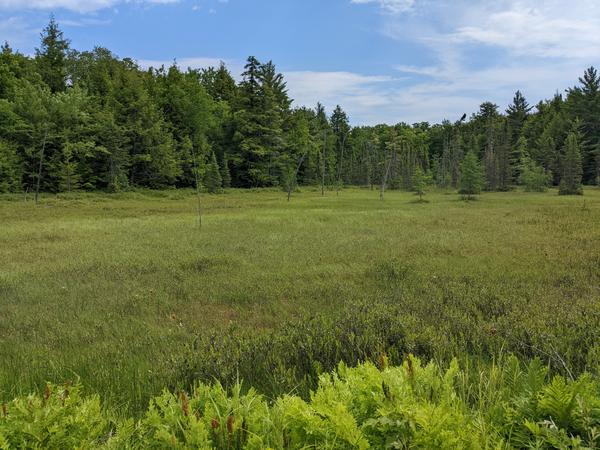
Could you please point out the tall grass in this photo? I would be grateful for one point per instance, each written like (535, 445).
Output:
(124, 293)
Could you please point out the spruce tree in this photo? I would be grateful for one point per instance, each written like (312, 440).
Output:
(471, 176)
(52, 57)
(571, 167)
(212, 176)
(517, 114)
(584, 105)
(225, 174)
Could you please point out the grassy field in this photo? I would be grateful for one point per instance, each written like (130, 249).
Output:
(114, 289)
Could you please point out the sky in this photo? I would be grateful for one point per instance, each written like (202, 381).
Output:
(383, 61)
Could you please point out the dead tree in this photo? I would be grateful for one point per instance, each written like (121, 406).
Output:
(292, 178)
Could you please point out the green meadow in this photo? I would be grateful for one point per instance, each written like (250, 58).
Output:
(127, 294)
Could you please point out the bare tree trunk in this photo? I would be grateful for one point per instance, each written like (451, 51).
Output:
(39, 177)
(292, 182)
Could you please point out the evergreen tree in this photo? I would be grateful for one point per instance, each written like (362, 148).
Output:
(52, 57)
(225, 174)
(517, 114)
(89, 120)
(186, 107)
(69, 176)
(273, 83)
(520, 150)
(420, 181)
(261, 109)
(491, 167)
(453, 157)
(471, 176)
(219, 83)
(584, 105)
(570, 182)
(532, 176)
(10, 169)
(341, 129)
(547, 147)
(212, 176)
(505, 156)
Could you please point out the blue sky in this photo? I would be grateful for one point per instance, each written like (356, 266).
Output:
(382, 60)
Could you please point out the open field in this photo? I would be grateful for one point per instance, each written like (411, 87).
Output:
(118, 290)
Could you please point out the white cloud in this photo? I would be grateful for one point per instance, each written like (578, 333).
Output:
(486, 50)
(390, 6)
(15, 31)
(81, 6)
(361, 96)
(544, 29)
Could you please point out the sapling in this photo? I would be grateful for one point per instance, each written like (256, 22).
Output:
(420, 181)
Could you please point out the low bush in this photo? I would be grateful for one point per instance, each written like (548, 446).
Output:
(291, 357)
(508, 405)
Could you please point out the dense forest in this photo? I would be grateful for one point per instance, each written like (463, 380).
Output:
(90, 120)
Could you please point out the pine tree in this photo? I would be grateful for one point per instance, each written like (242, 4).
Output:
(471, 176)
(225, 174)
(262, 106)
(52, 57)
(570, 182)
(212, 176)
(584, 104)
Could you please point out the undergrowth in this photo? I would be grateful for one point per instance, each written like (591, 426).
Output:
(415, 405)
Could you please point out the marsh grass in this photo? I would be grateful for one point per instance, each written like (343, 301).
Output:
(123, 291)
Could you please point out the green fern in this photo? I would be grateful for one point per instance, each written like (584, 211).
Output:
(504, 406)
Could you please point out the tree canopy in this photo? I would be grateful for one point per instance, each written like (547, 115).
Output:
(90, 120)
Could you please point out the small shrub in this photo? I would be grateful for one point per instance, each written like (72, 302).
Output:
(413, 405)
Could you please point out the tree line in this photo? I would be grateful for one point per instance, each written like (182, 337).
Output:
(89, 120)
